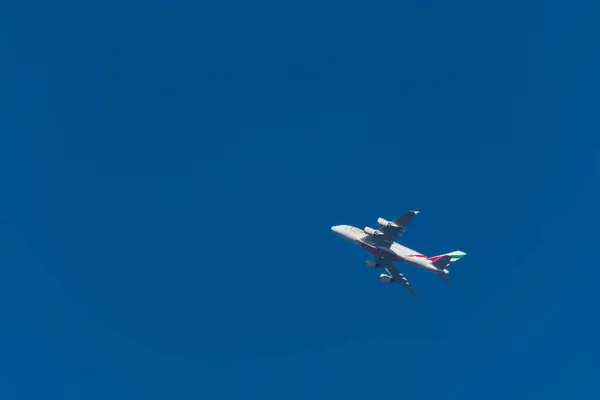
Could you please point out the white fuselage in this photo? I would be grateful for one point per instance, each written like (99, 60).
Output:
(396, 252)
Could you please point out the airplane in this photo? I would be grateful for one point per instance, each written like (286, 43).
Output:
(380, 243)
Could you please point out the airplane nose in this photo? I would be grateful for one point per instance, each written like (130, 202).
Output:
(336, 228)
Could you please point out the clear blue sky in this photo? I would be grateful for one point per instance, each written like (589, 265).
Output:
(170, 172)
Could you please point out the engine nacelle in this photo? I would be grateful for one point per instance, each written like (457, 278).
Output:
(371, 231)
(371, 264)
(385, 222)
(386, 278)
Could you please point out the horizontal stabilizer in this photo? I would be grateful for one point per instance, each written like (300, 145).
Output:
(442, 262)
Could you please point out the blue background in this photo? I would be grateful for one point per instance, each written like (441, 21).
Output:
(170, 172)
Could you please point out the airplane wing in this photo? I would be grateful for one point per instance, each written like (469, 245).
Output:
(397, 275)
(394, 229)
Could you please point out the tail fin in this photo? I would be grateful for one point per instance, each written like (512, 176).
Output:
(454, 256)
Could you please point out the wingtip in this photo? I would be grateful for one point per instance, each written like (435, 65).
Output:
(415, 211)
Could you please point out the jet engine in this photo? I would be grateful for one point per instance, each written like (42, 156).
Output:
(385, 222)
(371, 264)
(386, 278)
(371, 231)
